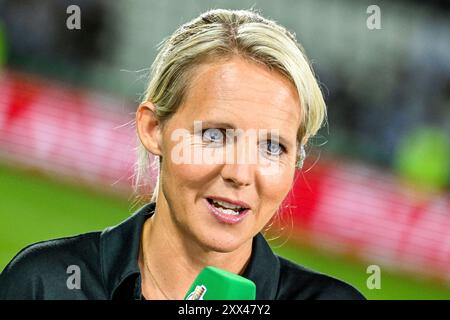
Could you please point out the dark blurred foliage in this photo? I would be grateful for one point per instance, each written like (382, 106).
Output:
(37, 35)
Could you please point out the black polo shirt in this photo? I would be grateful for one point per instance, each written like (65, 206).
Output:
(106, 266)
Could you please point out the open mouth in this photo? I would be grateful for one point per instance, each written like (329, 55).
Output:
(226, 207)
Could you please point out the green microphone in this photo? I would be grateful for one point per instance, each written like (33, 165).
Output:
(216, 284)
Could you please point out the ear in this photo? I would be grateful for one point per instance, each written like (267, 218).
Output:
(149, 128)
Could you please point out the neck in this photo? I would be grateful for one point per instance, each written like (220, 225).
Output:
(173, 260)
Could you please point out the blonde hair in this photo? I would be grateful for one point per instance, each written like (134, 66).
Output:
(219, 34)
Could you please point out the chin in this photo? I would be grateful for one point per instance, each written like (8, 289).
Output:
(221, 241)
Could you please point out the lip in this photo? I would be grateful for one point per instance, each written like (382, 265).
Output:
(225, 218)
(235, 202)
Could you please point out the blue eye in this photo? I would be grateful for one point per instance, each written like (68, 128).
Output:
(273, 148)
(213, 135)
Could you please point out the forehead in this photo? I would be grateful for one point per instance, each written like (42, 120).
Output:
(243, 92)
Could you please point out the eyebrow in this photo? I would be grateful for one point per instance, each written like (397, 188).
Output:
(217, 124)
(226, 125)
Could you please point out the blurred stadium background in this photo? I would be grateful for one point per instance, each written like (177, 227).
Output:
(375, 190)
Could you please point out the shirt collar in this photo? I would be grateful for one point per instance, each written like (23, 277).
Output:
(119, 252)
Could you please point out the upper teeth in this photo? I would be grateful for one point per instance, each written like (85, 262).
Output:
(227, 205)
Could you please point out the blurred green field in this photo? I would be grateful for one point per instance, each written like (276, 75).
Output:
(34, 208)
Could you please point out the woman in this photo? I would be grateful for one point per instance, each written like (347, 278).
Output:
(231, 103)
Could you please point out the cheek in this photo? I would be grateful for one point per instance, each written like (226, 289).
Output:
(185, 166)
(190, 177)
(274, 188)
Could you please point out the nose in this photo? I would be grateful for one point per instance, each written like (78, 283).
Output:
(239, 175)
(239, 167)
